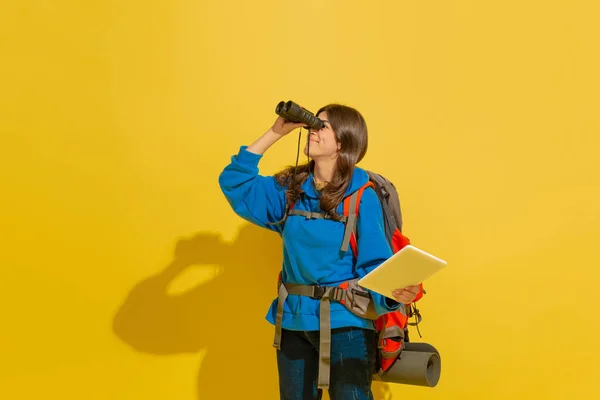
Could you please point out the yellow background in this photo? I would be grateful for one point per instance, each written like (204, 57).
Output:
(125, 275)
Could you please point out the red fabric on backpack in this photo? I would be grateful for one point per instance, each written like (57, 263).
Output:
(398, 239)
(395, 318)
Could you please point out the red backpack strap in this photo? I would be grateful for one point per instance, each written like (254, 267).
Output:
(351, 206)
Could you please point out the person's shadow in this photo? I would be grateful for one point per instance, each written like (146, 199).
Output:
(224, 316)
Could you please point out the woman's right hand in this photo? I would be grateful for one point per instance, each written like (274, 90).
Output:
(282, 126)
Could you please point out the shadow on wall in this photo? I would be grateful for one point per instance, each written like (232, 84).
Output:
(225, 316)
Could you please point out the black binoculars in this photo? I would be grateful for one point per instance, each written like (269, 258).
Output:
(294, 113)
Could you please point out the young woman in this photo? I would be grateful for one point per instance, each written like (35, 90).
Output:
(311, 253)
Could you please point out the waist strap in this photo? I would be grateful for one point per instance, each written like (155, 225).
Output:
(325, 294)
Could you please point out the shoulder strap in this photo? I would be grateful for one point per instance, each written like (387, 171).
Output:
(390, 201)
(288, 206)
(351, 206)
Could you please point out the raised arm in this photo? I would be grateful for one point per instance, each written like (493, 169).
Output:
(256, 198)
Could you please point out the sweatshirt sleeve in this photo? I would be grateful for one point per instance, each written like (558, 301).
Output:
(373, 248)
(256, 198)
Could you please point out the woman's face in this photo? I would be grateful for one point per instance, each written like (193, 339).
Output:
(321, 143)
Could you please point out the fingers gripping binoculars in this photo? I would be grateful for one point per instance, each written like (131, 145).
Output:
(295, 113)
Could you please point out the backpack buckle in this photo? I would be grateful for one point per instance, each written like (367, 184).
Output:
(337, 293)
(318, 292)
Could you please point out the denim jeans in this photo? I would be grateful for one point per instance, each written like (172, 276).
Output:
(353, 352)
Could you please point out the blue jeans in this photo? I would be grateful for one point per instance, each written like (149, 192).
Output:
(353, 352)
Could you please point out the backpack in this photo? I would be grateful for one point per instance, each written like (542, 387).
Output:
(392, 327)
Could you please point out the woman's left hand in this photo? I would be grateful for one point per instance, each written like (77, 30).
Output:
(406, 295)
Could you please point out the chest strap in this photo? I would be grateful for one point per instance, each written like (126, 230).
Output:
(350, 209)
(310, 214)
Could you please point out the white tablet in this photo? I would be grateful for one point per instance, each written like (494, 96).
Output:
(409, 266)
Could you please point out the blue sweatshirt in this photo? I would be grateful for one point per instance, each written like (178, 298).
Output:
(311, 247)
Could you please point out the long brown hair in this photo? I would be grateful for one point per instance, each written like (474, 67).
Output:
(351, 133)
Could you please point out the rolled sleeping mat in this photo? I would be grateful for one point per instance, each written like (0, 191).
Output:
(418, 364)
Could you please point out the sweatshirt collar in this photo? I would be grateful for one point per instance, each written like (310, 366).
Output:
(359, 178)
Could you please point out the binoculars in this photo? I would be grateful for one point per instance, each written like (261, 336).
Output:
(294, 113)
